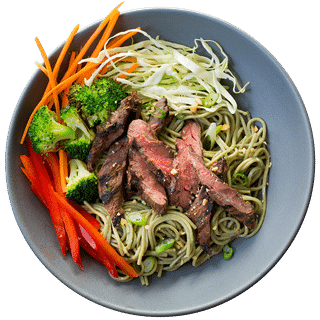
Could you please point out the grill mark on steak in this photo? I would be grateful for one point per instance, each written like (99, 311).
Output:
(156, 124)
(185, 184)
(145, 183)
(111, 177)
(219, 168)
(221, 192)
(200, 213)
(111, 130)
(157, 155)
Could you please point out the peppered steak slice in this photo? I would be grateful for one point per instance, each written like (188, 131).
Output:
(221, 192)
(145, 183)
(111, 178)
(200, 213)
(160, 117)
(185, 184)
(156, 155)
(111, 130)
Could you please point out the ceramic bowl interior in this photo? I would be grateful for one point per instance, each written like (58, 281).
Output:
(271, 96)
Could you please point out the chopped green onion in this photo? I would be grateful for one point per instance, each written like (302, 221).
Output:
(146, 105)
(149, 264)
(180, 116)
(210, 99)
(164, 245)
(235, 179)
(218, 129)
(136, 218)
(227, 252)
(161, 116)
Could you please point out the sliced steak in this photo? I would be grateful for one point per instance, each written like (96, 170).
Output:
(219, 168)
(108, 132)
(156, 154)
(111, 177)
(185, 185)
(191, 134)
(200, 213)
(220, 191)
(145, 183)
(160, 117)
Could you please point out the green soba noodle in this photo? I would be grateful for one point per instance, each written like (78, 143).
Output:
(243, 146)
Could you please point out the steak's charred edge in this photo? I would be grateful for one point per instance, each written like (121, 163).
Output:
(222, 193)
(200, 213)
(156, 124)
(111, 179)
(219, 168)
(145, 183)
(108, 132)
(158, 173)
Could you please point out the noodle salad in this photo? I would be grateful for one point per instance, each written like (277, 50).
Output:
(197, 89)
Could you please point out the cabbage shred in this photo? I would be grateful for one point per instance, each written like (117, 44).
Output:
(170, 70)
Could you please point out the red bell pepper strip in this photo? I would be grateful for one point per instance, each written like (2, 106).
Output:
(86, 215)
(52, 205)
(101, 242)
(87, 237)
(53, 161)
(97, 255)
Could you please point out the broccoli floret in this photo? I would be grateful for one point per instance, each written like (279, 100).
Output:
(98, 101)
(79, 147)
(46, 133)
(82, 185)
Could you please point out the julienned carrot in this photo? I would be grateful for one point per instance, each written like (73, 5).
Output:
(90, 41)
(59, 88)
(62, 54)
(101, 242)
(52, 80)
(101, 43)
(117, 42)
(106, 34)
(64, 98)
(64, 50)
(131, 69)
(63, 165)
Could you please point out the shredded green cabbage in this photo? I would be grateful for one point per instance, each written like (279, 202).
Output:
(170, 70)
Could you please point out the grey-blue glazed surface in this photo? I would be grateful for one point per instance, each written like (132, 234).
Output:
(272, 96)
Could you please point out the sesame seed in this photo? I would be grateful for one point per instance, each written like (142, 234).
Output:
(174, 171)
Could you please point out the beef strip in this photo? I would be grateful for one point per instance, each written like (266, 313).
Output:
(110, 179)
(157, 156)
(220, 191)
(200, 213)
(219, 168)
(145, 183)
(111, 130)
(157, 123)
(185, 185)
